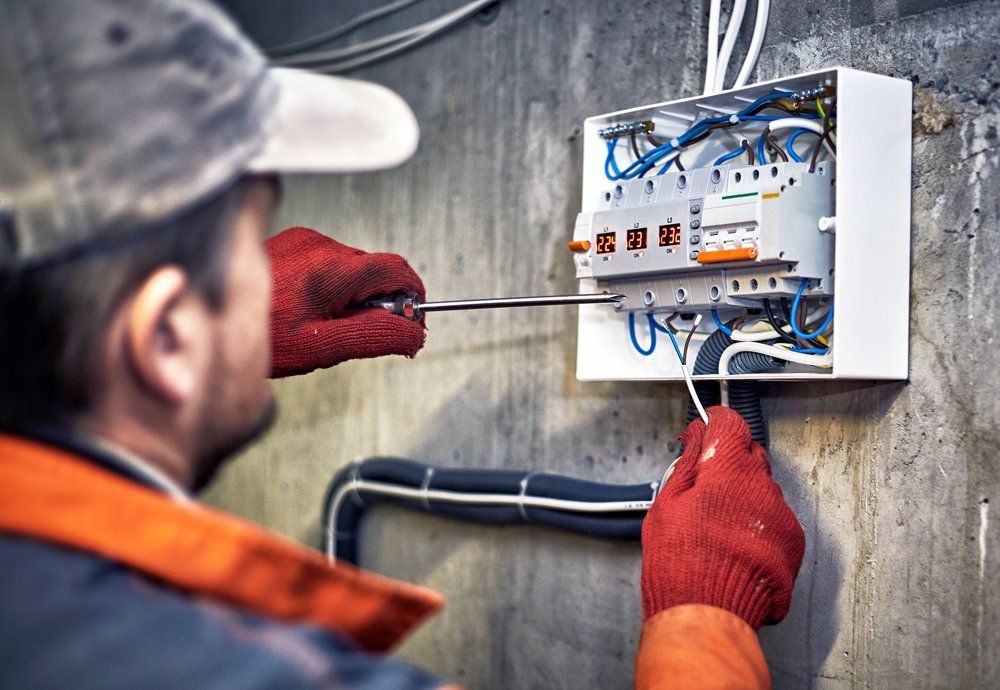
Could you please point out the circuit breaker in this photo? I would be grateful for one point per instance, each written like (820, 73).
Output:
(794, 191)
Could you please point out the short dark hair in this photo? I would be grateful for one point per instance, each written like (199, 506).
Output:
(53, 317)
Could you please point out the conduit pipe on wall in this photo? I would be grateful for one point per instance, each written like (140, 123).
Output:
(511, 497)
(492, 497)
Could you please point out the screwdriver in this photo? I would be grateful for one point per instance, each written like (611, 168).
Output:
(408, 304)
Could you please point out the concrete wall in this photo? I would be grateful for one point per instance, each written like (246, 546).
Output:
(897, 485)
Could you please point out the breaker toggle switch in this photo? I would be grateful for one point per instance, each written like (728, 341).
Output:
(723, 255)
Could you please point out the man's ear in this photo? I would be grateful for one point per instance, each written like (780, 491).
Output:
(164, 327)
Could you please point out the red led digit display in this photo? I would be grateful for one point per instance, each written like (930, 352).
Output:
(670, 235)
(605, 242)
(635, 239)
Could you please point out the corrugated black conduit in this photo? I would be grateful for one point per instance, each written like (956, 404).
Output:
(465, 494)
(743, 395)
(370, 482)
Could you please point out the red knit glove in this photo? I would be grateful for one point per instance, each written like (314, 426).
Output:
(318, 285)
(720, 533)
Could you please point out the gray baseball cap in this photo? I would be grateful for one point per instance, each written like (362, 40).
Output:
(117, 115)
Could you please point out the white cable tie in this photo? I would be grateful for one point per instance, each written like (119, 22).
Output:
(675, 143)
(522, 494)
(425, 487)
(734, 119)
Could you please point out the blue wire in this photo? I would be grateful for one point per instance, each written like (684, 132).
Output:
(811, 350)
(656, 326)
(638, 167)
(767, 99)
(635, 341)
(645, 162)
(677, 348)
(761, 160)
(666, 167)
(718, 323)
(791, 140)
(795, 307)
(728, 157)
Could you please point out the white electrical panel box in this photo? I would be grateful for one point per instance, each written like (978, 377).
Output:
(750, 216)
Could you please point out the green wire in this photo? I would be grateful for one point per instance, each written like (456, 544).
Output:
(819, 107)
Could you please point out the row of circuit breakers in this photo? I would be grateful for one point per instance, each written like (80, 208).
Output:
(710, 238)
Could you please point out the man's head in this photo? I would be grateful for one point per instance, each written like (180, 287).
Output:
(163, 334)
(138, 144)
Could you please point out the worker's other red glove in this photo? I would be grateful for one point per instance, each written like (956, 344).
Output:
(720, 532)
(318, 287)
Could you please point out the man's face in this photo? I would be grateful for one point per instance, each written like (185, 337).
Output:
(238, 404)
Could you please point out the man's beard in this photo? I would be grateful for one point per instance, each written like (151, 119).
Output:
(224, 435)
(209, 462)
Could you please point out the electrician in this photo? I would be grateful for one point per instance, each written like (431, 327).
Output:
(138, 147)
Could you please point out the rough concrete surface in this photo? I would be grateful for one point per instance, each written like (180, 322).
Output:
(897, 485)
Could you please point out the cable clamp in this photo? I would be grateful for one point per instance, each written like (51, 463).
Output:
(522, 495)
(425, 487)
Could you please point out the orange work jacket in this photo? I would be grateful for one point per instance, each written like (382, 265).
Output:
(52, 495)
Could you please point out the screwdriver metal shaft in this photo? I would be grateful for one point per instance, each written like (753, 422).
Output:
(409, 305)
(507, 302)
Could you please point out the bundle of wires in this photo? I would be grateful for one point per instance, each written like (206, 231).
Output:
(335, 60)
(667, 152)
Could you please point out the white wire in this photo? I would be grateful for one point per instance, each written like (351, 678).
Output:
(426, 494)
(694, 393)
(687, 376)
(726, 52)
(342, 30)
(756, 41)
(712, 51)
(803, 123)
(823, 361)
(352, 57)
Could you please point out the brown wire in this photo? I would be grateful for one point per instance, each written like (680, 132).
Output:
(687, 341)
(745, 145)
(635, 146)
(819, 144)
(653, 140)
(772, 143)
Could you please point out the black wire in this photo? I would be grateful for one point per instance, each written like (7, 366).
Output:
(745, 145)
(774, 323)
